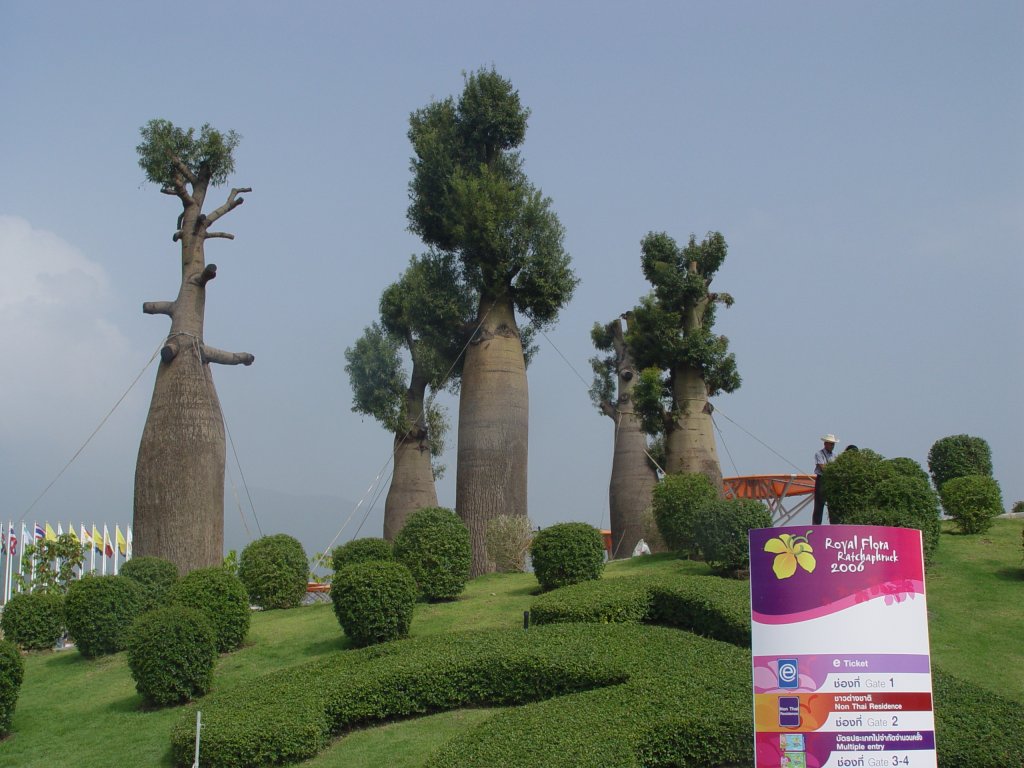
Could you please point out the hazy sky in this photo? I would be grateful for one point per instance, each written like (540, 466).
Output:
(865, 162)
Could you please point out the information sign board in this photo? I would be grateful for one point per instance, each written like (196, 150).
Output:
(842, 677)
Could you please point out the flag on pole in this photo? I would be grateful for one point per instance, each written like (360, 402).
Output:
(122, 543)
(50, 534)
(86, 537)
(97, 542)
(39, 532)
(108, 549)
(128, 546)
(3, 546)
(12, 545)
(72, 534)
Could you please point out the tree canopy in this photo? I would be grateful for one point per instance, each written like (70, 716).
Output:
(172, 156)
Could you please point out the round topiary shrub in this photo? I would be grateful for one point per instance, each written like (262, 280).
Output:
(434, 546)
(908, 467)
(275, 571)
(849, 481)
(12, 672)
(904, 501)
(361, 551)
(567, 553)
(678, 501)
(374, 601)
(958, 456)
(33, 620)
(221, 596)
(722, 533)
(973, 501)
(154, 575)
(99, 610)
(171, 652)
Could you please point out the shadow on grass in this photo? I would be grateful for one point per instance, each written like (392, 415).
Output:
(1010, 574)
(328, 645)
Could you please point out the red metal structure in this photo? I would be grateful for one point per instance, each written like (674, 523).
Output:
(785, 495)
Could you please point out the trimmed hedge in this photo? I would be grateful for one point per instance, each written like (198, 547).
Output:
(12, 672)
(99, 611)
(221, 596)
(722, 532)
(434, 545)
(974, 726)
(154, 575)
(361, 551)
(958, 456)
(275, 571)
(374, 601)
(974, 501)
(171, 652)
(607, 601)
(677, 501)
(567, 553)
(33, 620)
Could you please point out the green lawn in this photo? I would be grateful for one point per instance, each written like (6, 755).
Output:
(74, 712)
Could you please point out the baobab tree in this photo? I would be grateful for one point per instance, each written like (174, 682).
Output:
(683, 363)
(179, 474)
(470, 197)
(634, 475)
(426, 313)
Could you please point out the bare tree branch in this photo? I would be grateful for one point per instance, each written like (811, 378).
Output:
(208, 273)
(214, 355)
(169, 350)
(225, 235)
(184, 170)
(158, 308)
(232, 202)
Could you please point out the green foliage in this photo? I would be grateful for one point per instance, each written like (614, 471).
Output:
(434, 546)
(154, 575)
(600, 601)
(361, 551)
(958, 456)
(721, 532)
(275, 571)
(567, 553)
(221, 596)
(679, 501)
(374, 601)
(907, 466)
(33, 620)
(12, 672)
(508, 539)
(55, 562)
(171, 652)
(971, 725)
(1018, 508)
(849, 481)
(470, 197)
(99, 610)
(973, 501)
(171, 156)
(904, 501)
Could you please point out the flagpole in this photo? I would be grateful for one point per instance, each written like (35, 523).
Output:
(7, 566)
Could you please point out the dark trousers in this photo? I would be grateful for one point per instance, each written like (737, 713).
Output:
(819, 501)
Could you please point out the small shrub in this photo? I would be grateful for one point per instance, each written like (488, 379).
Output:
(908, 467)
(677, 501)
(361, 551)
(33, 620)
(958, 456)
(275, 571)
(221, 596)
(99, 610)
(171, 652)
(55, 561)
(849, 481)
(1018, 508)
(434, 546)
(973, 501)
(567, 553)
(605, 601)
(904, 501)
(154, 575)
(12, 672)
(374, 601)
(722, 532)
(508, 539)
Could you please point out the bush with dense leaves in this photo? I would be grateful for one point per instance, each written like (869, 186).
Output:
(973, 501)
(678, 501)
(99, 610)
(171, 652)
(154, 575)
(374, 601)
(907, 466)
(221, 596)
(275, 571)
(434, 546)
(906, 501)
(958, 456)
(364, 550)
(12, 672)
(973, 725)
(567, 553)
(33, 620)
(722, 532)
(849, 480)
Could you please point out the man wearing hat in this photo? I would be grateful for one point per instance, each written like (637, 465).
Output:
(821, 458)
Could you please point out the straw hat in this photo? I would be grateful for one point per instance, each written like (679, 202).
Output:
(829, 438)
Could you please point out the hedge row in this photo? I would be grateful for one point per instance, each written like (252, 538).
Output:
(290, 715)
(706, 605)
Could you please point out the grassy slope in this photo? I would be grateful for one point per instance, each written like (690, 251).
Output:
(73, 711)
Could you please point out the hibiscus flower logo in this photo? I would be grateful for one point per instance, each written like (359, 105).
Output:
(790, 551)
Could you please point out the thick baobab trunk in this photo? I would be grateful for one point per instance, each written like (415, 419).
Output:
(412, 484)
(690, 443)
(493, 427)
